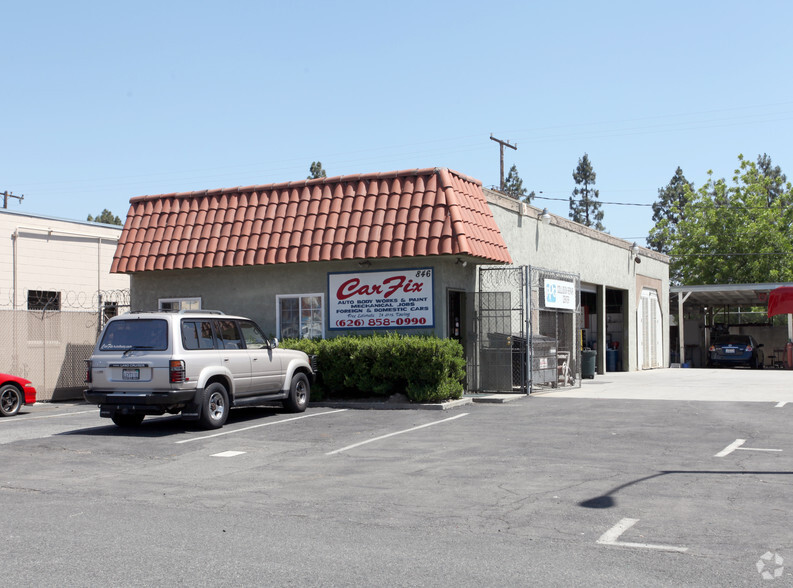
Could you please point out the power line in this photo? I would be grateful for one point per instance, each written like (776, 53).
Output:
(602, 202)
(713, 204)
(730, 254)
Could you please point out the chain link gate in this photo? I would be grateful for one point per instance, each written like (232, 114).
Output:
(518, 344)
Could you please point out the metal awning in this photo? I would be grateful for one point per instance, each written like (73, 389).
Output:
(713, 295)
(726, 294)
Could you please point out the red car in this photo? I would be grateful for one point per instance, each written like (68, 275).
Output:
(14, 392)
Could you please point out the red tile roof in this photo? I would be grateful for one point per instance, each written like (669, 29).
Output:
(432, 211)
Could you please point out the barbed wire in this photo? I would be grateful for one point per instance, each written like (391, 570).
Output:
(45, 299)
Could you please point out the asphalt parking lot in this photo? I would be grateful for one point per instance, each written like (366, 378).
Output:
(666, 478)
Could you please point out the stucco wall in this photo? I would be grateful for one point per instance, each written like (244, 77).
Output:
(71, 257)
(599, 259)
(251, 291)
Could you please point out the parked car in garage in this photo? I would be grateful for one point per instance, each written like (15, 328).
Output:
(14, 392)
(732, 350)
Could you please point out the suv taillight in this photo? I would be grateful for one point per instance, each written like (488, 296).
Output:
(88, 373)
(176, 371)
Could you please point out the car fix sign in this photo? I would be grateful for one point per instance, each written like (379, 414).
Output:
(381, 299)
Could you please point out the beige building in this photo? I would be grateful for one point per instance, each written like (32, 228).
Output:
(55, 286)
(425, 251)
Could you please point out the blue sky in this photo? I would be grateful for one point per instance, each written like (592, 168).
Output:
(105, 101)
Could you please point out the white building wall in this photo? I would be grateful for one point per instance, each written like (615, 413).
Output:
(71, 257)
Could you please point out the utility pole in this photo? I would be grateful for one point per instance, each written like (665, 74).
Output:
(7, 195)
(501, 148)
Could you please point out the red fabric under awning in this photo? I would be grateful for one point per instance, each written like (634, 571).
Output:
(780, 301)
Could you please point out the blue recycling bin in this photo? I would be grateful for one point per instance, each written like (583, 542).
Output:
(611, 360)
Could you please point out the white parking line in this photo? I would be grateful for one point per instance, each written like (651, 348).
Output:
(228, 454)
(736, 446)
(730, 448)
(231, 432)
(396, 433)
(780, 404)
(610, 538)
(48, 416)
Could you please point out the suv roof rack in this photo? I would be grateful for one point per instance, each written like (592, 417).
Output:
(175, 311)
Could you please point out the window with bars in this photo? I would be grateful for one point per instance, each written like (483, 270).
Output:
(179, 303)
(44, 300)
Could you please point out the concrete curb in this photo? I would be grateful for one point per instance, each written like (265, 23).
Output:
(497, 398)
(384, 405)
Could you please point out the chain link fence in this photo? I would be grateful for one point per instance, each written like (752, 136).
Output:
(519, 344)
(49, 345)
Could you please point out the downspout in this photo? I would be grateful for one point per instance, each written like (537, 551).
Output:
(15, 239)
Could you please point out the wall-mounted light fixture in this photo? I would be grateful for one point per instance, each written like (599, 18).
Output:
(545, 217)
(635, 253)
(462, 262)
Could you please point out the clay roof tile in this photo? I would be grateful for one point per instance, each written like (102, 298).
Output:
(415, 212)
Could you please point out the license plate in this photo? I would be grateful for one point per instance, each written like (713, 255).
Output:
(130, 374)
(728, 350)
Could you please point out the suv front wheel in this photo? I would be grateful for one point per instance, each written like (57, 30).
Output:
(299, 393)
(214, 406)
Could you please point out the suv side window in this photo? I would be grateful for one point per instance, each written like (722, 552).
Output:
(254, 338)
(197, 334)
(228, 334)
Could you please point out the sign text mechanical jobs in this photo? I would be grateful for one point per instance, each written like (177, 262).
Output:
(381, 299)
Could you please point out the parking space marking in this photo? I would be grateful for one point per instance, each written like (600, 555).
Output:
(610, 538)
(736, 446)
(730, 448)
(48, 416)
(231, 432)
(780, 404)
(228, 454)
(396, 433)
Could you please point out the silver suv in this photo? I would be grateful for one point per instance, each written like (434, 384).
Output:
(197, 363)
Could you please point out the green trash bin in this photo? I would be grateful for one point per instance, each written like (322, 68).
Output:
(588, 357)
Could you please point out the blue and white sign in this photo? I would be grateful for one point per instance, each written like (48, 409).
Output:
(559, 294)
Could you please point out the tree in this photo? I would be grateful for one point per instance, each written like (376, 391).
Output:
(106, 217)
(513, 185)
(730, 233)
(315, 171)
(774, 179)
(584, 205)
(671, 200)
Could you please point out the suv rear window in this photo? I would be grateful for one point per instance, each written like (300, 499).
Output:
(123, 335)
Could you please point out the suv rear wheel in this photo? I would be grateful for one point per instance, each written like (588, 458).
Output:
(214, 406)
(299, 393)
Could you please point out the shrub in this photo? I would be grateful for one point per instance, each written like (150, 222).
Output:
(426, 369)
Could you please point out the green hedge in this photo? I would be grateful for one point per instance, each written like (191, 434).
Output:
(426, 369)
